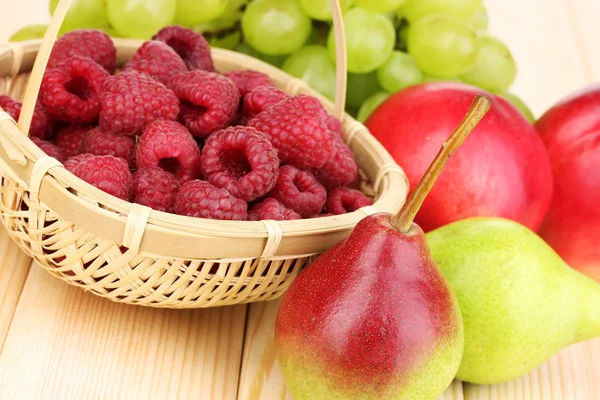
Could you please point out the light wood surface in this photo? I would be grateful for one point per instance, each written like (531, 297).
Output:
(61, 343)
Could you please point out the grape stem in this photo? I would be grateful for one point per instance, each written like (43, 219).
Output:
(404, 219)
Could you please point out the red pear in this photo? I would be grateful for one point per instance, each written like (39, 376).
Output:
(373, 318)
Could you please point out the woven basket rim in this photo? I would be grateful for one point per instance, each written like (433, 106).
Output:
(394, 184)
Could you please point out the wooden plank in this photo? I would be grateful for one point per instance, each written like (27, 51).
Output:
(14, 265)
(260, 376)
(583, 15)
(573, 374)
(540, 36)
(67, 344)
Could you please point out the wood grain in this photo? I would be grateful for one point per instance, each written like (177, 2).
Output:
(260, 375)
(583, 15)
(573, 374)
(542, 39)
(14, 265)
(67, 344)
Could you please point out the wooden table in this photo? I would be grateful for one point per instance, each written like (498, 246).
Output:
(57, 342)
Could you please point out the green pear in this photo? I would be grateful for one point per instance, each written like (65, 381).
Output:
(520, 302)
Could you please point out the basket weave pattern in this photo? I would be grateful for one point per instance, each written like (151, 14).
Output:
(129, 253)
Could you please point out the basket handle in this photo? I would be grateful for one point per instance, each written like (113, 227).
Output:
(341, 57)
(39, 67)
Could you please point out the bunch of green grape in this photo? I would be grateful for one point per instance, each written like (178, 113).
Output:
(391, 44)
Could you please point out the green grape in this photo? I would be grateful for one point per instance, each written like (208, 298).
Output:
(313, 65)
(140, 19)
(220, 32)
(29, 32)
(444, 47)
(228, 41)
(413, 10)
(83, 14)
(430, 78)
(244, 48)
(370, 105)
(275, 27)
(370, 39)
(519, 104)
(360, 88)
(110, 31)
(399, 71)
(320, 9)
(495, 69)
(479, 20)
(233, 9)
(380, 6)
(192, 12)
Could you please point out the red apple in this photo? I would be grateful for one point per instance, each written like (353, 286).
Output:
(502, 170)
(571, 132)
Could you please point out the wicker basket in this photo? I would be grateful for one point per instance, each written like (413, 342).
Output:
(132, 254)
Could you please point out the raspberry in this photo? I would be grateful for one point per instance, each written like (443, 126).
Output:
(93, 44)
(262, 98)
(102, 143)
(42, 125)
(155, 188)
(157, 60)
(168, 145)
(241, 160)
(202, 200)
(209, 101)
(273, 210)
(339, 170)
(248, 80)
(70, 139)
(335, 126)
(71, 91)
(299, 191)
(297, 129)
(191, 47)
(132, 100)
(344, 200)
(109, 174)
(48, 148)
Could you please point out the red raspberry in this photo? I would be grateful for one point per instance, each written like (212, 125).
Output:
(109, 174)
(70, 139)
(339, 170)
(241, 160)
(335, 126)
(202, 200)
(297, 129)
(248, 80)
(209, 101)
(168, 145)
(48, 148)
(71, 91)
(93, 44)
(155, 188)
(132, 100)
(191, 47)
(261, 99)
(157, 60)
(42, 125)
(299, 191)
(273, 210)
(344, 200)
(102, 143)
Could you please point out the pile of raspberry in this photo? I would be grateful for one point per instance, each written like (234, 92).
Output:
(169, 132)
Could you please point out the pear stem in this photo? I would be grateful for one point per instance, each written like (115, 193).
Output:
(404, 219)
